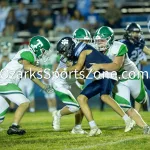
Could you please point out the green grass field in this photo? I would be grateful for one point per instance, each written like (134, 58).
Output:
(40, 135)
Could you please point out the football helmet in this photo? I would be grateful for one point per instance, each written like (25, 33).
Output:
(82, 35)
(5, 48)
(133, 32)
(39, 45)
(65, 47)
(104, 38)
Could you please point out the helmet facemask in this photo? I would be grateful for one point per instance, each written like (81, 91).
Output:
(134, 36)
(102, 43)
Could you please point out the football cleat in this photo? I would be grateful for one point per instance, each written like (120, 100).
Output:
(133, 123)
(15, 130)
(129, 125)
(146, 130)
(78, 131)
(56, 121)
(94, 131)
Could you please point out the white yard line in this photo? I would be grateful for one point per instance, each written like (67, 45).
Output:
(109, 143)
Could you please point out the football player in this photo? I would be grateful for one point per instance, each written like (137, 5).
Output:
(137, 49)
(82, 55)
(10, 75)
(130, 82)
(69, 89)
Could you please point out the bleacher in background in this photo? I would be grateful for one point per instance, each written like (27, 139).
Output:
(132, 11)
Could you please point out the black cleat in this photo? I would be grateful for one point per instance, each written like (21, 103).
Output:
(15, 130)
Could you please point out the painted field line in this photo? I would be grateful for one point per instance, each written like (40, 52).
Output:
(109, 143)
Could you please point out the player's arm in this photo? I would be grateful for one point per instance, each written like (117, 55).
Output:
(146, 50)
(114, 66)
(79, 65)
(36, 81)
(29, 67)
(43, 86)
(117, 62)
(46, 88)
(39, 83)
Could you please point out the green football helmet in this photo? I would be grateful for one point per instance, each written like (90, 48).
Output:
(39, 45)
(104, 38)
(82, 35)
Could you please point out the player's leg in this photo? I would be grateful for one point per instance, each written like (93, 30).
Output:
(76, 88)
(139, 93)
(11, 107)
(122, 97)
(51, 101)
(3, 108)
(89, 91)
(14, 94)
(30, 95)
(23, 104)
(140, 96)
(62, 90)
(72, 106)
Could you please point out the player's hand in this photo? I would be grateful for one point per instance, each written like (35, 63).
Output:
(61, 70)
(95, 67)
(48, 89)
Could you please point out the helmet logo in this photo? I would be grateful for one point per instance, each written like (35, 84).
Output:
(39, 43)
(64, 42)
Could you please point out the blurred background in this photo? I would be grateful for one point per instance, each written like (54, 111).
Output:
(22, 19)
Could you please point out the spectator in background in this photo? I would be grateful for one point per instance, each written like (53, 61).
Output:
(21, 15)
(4, 10)
(62, 19)
(47, 28)
(77, 21)
(113, 15)
(34, 21)
(93, 19)
(83, 6)
(11, 24)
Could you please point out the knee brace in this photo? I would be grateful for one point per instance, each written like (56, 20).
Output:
(73, 108)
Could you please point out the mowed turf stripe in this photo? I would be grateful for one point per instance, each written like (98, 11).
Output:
(109, 143)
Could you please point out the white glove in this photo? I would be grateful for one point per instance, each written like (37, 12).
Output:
(49, 89)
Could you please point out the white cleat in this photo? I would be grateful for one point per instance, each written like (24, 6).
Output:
(94, 131)
(56, 121)
(133, 123)
(146, 130)
(78, 131)
(129, 125)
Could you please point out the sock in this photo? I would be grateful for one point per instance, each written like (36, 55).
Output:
(78, 126)
(32, 109)
(51, 109)
(92, 124)
(58, 113)
(15, 124)
(125, 117)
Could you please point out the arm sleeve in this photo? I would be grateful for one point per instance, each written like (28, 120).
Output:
(123, 50)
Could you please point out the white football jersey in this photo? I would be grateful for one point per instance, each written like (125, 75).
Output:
(120, 49)
(13, 71)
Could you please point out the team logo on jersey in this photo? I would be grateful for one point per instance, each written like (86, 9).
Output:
(64, 42)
